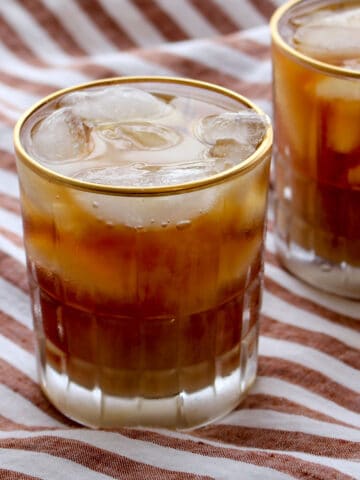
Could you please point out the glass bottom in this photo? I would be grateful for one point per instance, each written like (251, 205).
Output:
(337, 278)
(186, 410)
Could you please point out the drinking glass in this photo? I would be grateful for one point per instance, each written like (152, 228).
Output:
(145, 299)
(317, 145)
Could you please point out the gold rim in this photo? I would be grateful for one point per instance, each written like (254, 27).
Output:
(281, 43)
(263, 149)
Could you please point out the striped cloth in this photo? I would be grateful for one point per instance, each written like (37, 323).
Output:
(302, 418)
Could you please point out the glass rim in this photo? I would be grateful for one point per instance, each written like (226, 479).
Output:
(240, 169)
(279, 41)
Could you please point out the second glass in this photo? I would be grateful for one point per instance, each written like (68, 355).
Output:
(317, 123)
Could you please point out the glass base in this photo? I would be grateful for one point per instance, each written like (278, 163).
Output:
(340, 279)
(186, 410)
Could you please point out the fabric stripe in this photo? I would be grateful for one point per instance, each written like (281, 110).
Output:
(5, 139)
(181, 11)
(13, 237)
(16, 98)
(265, 7)
(132, 64)
(61, 77)
(190, 68)
(53, 26)
(126, 14)
(14, 301)
(11, 475)
(7, 163)
(14, 272)
(12, 249)
(12, 221)
(212, 54)
(272, 420)
(296, 463)
(260, 34)
(106, 24)
(10, 203)
(17, 333)
(256, 401)
(310, 379)
(254, 49)
(8, 115)
(158, 17)
(35, 36)
(333, 320)
(287, 462)
(270, 438)
(165, 457)
(223, 23)
(18, 358)
(85, 34)
(30, 391)
(245, 15)
(336, 304)
(22, 411)
(97, 459)
(304, 398)
(10, 426)
(313, 359)
(46, 466)
(318, 341)
(14, 42)
(310, 321)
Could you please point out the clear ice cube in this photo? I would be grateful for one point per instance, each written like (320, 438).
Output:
(139, 136)
(143, 175)
(332, 35)
(232, 134)
(332, 88)
(61, 137)
(140, 212)
(115, 104)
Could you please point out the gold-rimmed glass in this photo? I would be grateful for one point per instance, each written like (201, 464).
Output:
(149, 322)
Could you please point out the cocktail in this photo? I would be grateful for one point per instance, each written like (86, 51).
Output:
(144, 206)
(316, 58)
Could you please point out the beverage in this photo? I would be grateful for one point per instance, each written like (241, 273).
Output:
(143, 205)
(316, 57)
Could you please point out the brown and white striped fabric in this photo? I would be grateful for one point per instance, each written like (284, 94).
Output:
(302, 418)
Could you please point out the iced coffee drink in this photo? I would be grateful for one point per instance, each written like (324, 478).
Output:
(316, 56)
(144, 204)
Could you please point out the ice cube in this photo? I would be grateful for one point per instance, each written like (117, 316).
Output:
(148, 212)
(340, 98)
(60, 137)
(332, 88)
(144, 175)
(116, 104)
(303, 19)
(331, 36)
(139, 136)
(232, 134)
(228, 149)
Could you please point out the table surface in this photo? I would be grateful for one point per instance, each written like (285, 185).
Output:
(302, 418)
